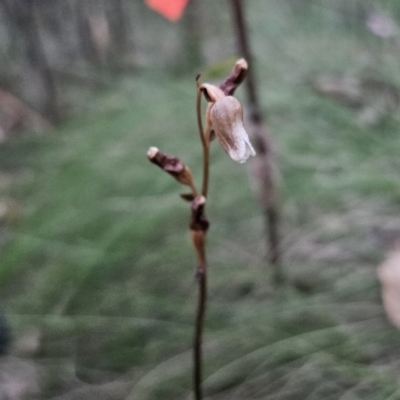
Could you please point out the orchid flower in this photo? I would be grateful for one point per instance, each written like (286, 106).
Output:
(225, 118)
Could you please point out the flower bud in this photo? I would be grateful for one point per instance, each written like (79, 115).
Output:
(235, 78)
(173, 165)
(226, 116)
(198, 228)
(198, 220)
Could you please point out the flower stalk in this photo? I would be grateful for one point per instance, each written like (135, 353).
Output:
(198, 231)
(223, 120)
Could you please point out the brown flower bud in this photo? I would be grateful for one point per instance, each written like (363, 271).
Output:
(235, 78)
(198, 228)
(226, 116)
(173, 165)
(198, 221)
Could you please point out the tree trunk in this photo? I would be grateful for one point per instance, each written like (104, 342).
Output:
(263, 165)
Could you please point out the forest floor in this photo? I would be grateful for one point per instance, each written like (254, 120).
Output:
(97, 270)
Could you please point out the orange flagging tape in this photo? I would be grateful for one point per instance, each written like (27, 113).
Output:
(170, 9)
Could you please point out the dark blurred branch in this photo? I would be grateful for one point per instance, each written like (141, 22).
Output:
(264, 170)
(245, 51)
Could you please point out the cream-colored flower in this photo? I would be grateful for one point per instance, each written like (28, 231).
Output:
(226, 117)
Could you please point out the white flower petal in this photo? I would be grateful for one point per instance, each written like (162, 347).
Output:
(227, 120)
(243, 149)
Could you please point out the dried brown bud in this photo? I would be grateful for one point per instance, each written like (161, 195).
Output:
(198, 220)
(226, 116)
(198, 228)
(173, 165)
(235, 78)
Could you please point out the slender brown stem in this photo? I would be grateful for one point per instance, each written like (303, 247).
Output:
(206, 162)
(198, 112)
(197, 346)
(205, 139)
(201, 269)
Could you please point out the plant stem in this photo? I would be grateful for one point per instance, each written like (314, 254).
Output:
(205, 139)
(201, 269)
(197, 346)
(198, 112)
(206, 161)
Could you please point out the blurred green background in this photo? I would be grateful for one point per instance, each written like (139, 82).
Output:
(96, 266)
